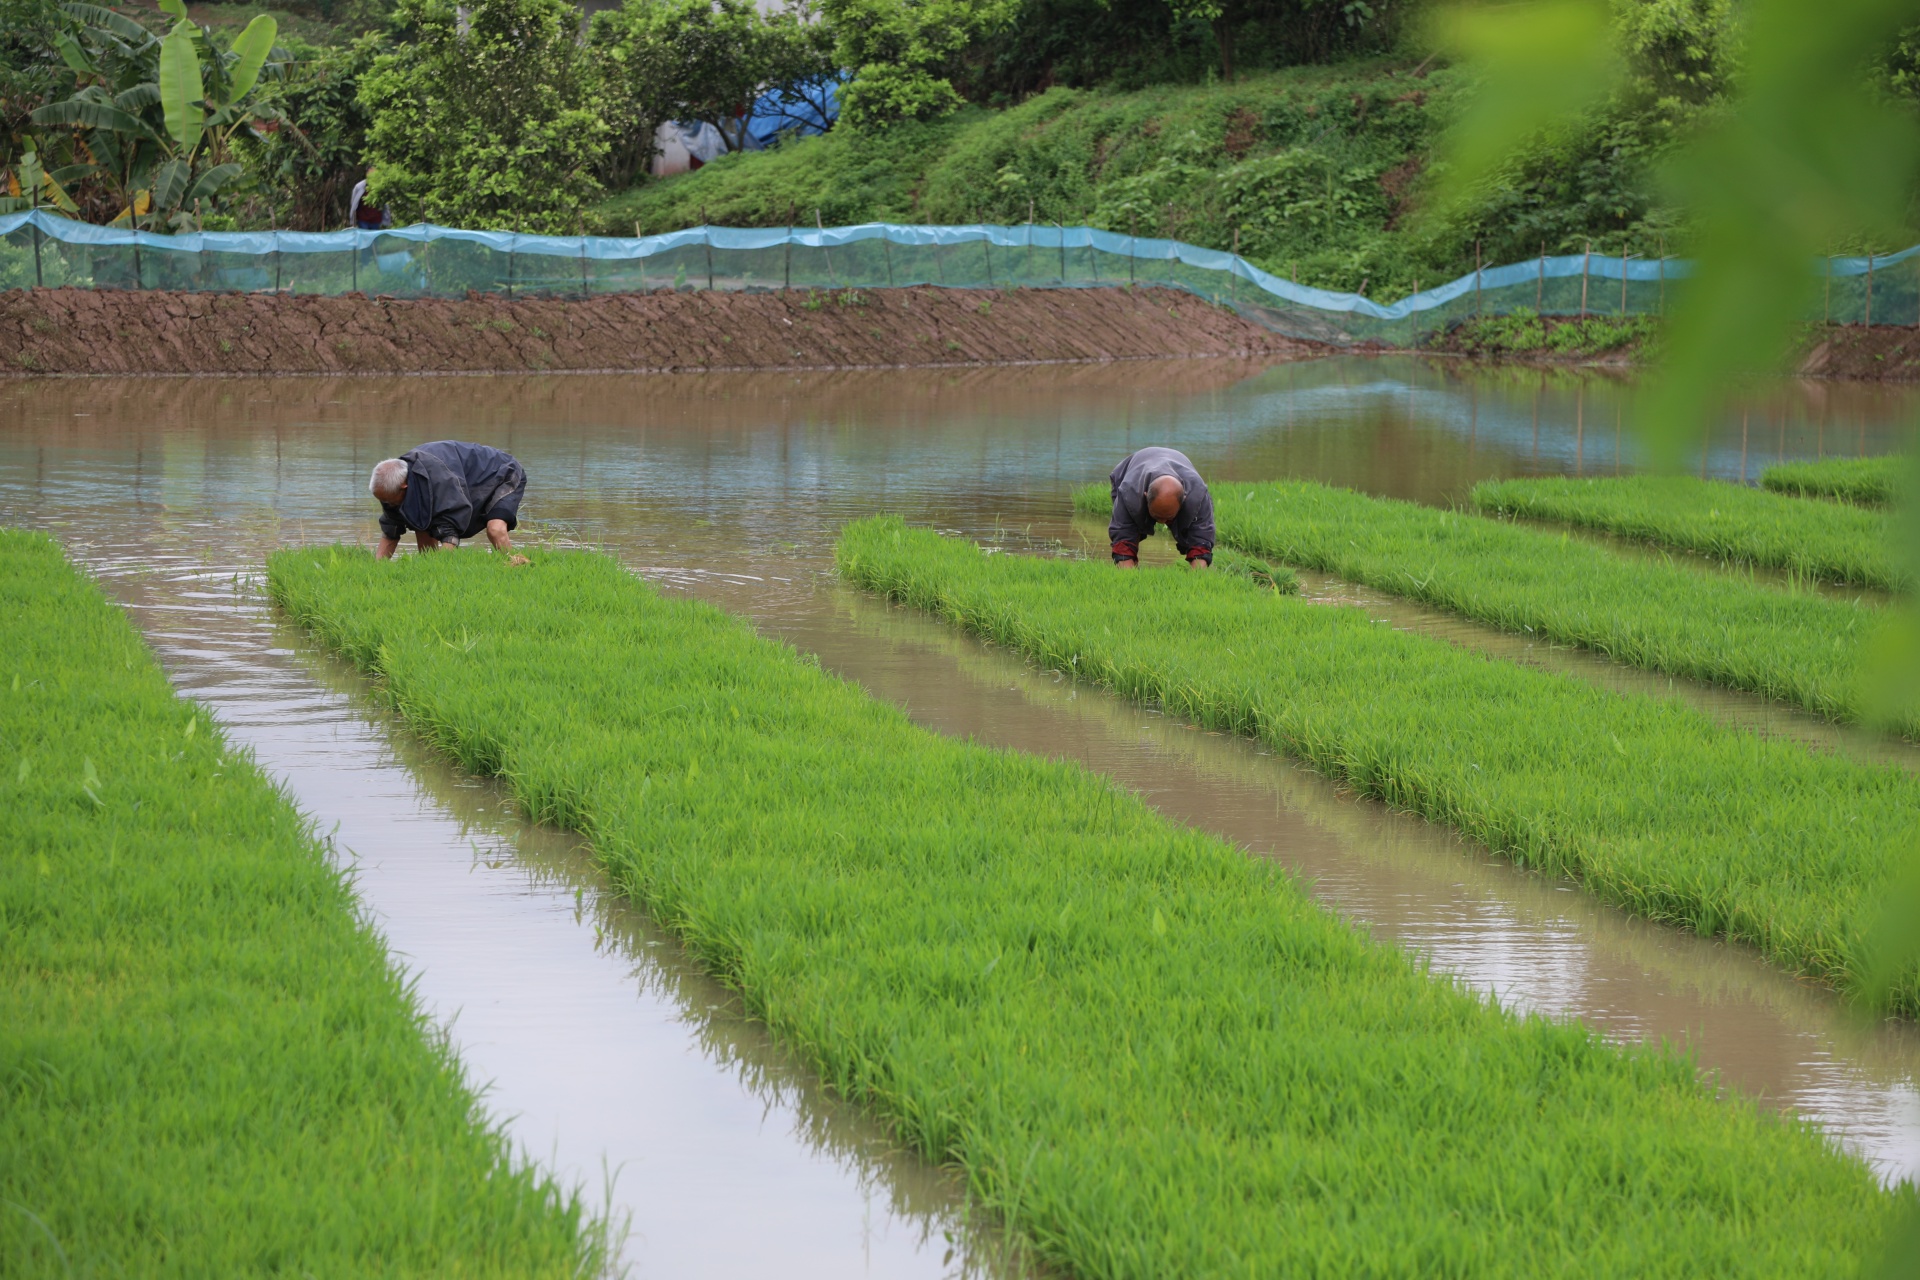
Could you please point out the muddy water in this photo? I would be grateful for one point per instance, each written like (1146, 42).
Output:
(732, 488)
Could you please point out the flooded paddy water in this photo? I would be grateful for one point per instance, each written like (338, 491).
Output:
(613, 1062)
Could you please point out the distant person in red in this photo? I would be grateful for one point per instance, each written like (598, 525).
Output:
(446, 491)
(1159, 486)
(362, 216)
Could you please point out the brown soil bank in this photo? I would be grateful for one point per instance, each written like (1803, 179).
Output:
(1880, 353)
(77, 331)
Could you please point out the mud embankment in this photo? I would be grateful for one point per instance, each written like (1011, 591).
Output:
(1879, 353)
(76, 331)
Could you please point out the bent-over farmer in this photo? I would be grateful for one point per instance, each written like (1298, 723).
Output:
(1159, 486)
(446, 491)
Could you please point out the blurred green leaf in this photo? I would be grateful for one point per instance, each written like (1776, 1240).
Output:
(1540, 65)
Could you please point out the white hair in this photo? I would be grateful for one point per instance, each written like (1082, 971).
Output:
(387, 476)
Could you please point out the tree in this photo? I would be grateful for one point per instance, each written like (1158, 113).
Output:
(484, 116)
(157, 117)
(701, 60)
(900, 53)
(307, 164)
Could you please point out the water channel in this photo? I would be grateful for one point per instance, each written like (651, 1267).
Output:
(611, 1060)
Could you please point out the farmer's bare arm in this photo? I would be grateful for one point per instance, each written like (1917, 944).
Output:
(387, 547)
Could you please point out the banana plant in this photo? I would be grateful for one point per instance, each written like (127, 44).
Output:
(154, 117)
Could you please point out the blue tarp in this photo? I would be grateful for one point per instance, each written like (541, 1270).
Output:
(799, 113)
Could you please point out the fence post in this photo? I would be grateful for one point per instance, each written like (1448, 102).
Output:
(643, 259)
(513, 250)
(1133, 233)
(1093, 257)
(832, 282)
(1030, 213)
(706, 234)
(1586, 268)
(1479, 307)
(1869, 290)
(886, 251)
(1063, 253)
(356, 258)
(1625, 258)
(39, 282)
(1540, 285)
(1233, 276)
(986, 247)
(786, 277)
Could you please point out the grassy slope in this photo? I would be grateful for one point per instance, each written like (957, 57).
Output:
(1873, 482)
(1152, 1053)
(1836, 543)
(207, 1065)
(1649, 803)
(1311, 164)
(1797, 646)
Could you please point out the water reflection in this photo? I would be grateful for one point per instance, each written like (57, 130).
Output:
(732, 487)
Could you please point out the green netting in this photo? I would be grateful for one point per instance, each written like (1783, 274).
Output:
(39, 249)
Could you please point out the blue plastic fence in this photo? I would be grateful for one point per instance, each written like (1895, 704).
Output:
(42, 249)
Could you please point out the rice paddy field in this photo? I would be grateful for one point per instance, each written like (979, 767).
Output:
(670, 1012)
(1871, 482)
(1798, 646)
(1827, 541)
(1039, 980)
(211, 1066)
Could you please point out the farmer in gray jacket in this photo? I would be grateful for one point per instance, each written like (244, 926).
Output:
(1159, 486)
(446, 491)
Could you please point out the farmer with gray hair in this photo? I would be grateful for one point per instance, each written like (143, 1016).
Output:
(1158, 485)
(446, 491)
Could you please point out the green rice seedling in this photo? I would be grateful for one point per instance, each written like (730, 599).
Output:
(1274, 577)
(1870, 482)
(1797, 646)
(1647, 802)
(1830, 541)
(1150, 1055)
(208, 1065)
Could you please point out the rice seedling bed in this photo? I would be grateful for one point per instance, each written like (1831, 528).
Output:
(1831, 541)
(1871, 482)
(1151, 1055)
(1797, 646)
(1646, 801)
(208, 1066)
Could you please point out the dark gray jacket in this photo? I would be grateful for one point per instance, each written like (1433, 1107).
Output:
(449, 487)
(1193, 527)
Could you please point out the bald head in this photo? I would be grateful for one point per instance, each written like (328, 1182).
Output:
(389, 481)
(1164, 497)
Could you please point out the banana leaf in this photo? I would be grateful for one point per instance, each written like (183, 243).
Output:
(182, 96)
(212, 182)
(92, 115)
(138, 98)
(170, 183)
(73, 55)
(96, 16)
(252, 45)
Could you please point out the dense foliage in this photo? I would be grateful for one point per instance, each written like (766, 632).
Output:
(1302, 132)
(1147, 1053)
(484, 116)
